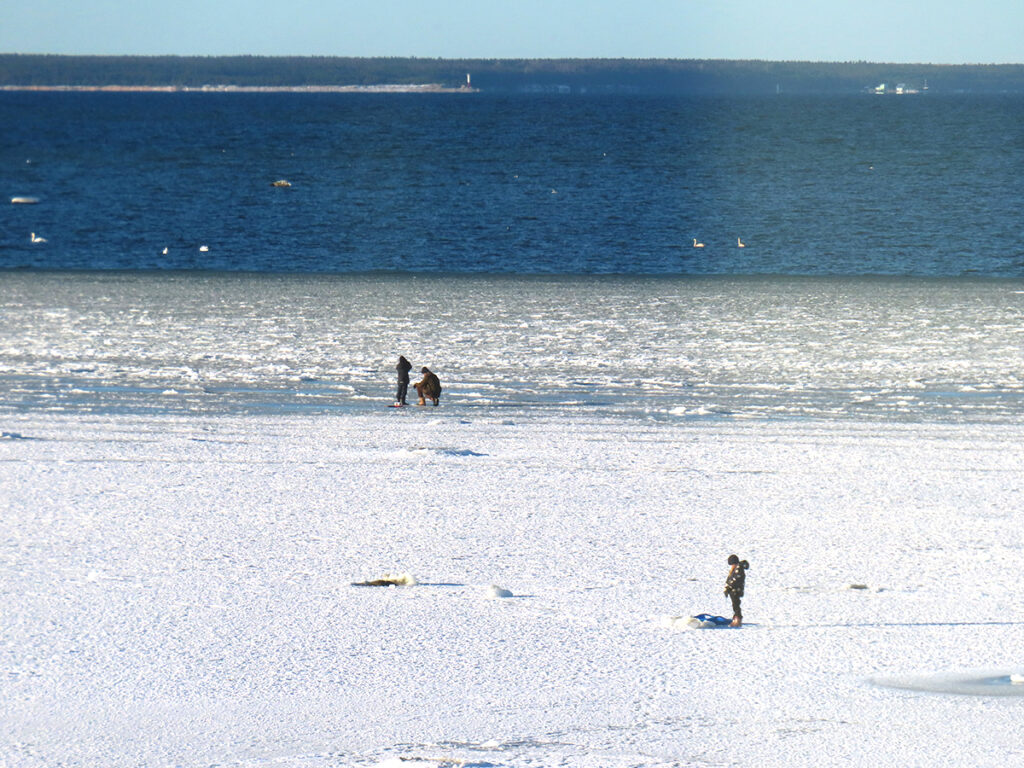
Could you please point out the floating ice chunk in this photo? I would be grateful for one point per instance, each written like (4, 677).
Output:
(1017, 679)
(495, 591)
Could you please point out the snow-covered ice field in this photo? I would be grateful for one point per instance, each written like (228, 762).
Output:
(196, 468)
(177, 591)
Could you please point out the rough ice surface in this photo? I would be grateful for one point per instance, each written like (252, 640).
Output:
(663, 348)
(176, 580)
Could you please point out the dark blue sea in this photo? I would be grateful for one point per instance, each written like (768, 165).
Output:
(922, 185)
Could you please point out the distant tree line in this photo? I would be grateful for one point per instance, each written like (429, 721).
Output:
(505, 75)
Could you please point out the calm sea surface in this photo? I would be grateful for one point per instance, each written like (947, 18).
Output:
(916, 185)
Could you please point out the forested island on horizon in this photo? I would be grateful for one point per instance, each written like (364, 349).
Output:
(324, 73)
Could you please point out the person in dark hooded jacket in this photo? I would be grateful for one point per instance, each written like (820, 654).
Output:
(428, 386)
(734, 584)
(403, 368)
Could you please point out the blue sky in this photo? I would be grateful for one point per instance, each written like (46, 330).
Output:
(936, 31)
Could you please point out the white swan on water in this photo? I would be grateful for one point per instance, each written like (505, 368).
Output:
(204, 248)
(740, 243)
(36, 239)
(696, 244)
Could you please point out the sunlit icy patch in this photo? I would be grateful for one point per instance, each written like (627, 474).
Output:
(432, 762)
(420, 755)
(425, 451)
(976, 683)
(699, 410)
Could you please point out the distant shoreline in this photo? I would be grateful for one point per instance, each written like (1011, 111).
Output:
(383, 88)
(297, 74)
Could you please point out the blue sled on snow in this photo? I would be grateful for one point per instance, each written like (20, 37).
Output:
(700, 621)
(707, 621)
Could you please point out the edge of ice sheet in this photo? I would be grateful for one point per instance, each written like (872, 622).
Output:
(983, 682)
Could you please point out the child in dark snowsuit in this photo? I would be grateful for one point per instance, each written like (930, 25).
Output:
(734, 587)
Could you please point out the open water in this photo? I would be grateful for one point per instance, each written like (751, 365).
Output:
(535, 251)
(899, 185)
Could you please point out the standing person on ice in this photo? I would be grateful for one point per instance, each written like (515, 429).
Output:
(403, 367)
(734, 587)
